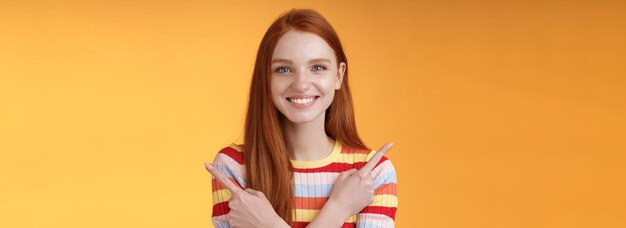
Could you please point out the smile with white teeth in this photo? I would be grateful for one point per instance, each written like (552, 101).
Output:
(301, 100)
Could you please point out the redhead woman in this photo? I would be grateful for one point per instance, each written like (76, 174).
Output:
(302, 163)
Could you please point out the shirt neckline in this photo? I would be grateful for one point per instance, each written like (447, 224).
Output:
(319, 163)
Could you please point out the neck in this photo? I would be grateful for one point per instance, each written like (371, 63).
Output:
(308, 141)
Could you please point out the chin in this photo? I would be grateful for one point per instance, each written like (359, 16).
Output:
(300, 119)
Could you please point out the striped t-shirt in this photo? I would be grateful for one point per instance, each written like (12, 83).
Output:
(313, 183)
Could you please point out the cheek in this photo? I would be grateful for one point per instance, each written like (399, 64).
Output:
(277, 88)
(327, 87)
(328, 84)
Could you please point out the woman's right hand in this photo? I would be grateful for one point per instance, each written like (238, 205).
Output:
(354, 189)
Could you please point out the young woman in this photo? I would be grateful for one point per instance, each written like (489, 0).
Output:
(302, 163)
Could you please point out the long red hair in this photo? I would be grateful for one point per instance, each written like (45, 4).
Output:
(267, 163)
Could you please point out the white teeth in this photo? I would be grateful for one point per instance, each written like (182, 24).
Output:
(301, 101)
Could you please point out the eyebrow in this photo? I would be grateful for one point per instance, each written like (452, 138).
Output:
(289, 61)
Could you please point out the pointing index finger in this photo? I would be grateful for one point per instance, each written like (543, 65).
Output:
(222, 178)
(367, 168)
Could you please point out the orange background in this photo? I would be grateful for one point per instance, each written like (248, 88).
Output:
(504, 113)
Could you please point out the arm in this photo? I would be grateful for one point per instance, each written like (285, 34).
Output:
(382, 211)
(220, 196)
(356, 191)
(329, 216)
(227, 162)
(234, 205)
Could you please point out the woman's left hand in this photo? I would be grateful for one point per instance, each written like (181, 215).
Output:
(248, 208)
(354, 189)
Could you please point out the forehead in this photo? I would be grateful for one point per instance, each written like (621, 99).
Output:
(300, 46)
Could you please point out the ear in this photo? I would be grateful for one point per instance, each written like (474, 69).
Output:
(340, 72)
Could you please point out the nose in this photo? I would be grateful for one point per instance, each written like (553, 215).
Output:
(302, 81)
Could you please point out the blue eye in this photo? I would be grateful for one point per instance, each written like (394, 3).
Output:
(319, 67)
(282, 70)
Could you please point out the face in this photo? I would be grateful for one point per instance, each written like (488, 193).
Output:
(305, 75)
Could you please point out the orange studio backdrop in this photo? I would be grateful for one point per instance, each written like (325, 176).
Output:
(504, 113)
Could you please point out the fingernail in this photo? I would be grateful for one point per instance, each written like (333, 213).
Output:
(208, 166)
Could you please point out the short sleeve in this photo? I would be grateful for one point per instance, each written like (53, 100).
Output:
(229, 161)
(381, 212)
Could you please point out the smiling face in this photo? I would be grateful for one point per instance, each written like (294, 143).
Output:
(305, 75)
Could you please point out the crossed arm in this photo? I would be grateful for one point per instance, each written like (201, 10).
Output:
(351, 193)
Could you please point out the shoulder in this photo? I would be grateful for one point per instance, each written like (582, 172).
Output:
(232, 153)
(229, 160)
(384, 167)
(353, 155)
(361, 156)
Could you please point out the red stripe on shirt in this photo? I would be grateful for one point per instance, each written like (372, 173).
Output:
(388, 211)
(314, 203)
(337, 167)
(220, 209)
(234, 154)
(360, 165)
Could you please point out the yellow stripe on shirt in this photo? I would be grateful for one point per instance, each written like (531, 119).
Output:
(307, 215)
